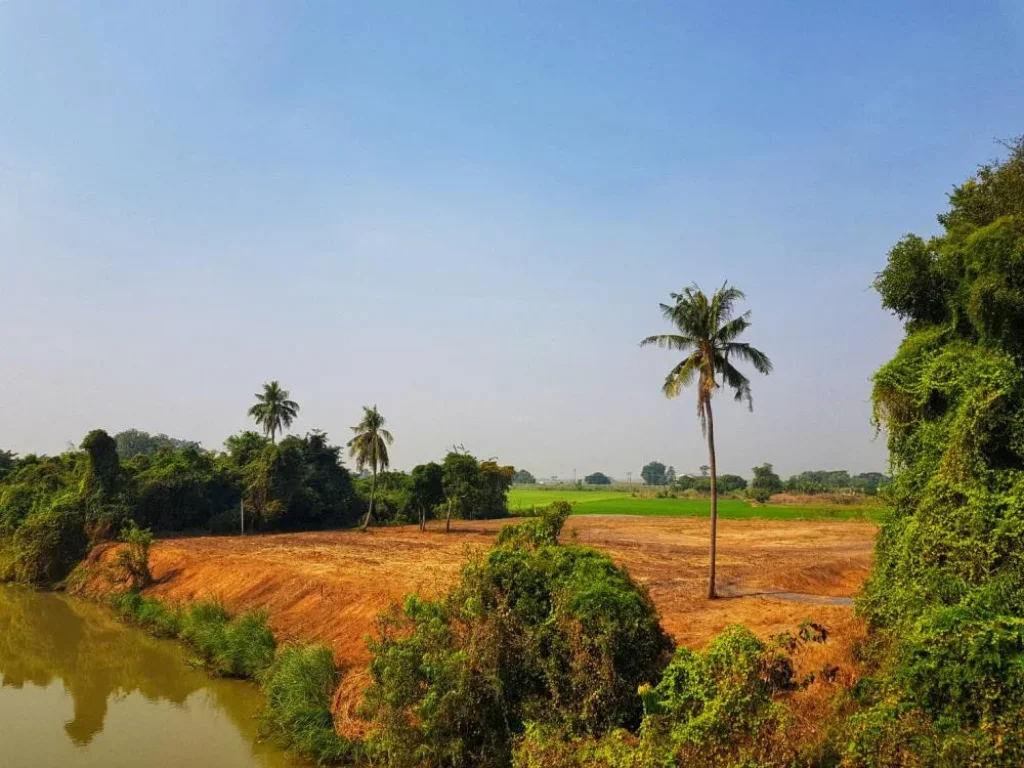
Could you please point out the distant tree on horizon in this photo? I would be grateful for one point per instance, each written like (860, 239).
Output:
(707, 333)
(522, 477)
(370, 446)
(138, 442)
(765, 482)
(597, 478)
(654, 473)
(274, 411)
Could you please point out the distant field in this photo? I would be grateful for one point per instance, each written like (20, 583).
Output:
(620, 503)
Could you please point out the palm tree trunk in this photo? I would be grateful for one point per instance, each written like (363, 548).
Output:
(369, 512)
(714, 498)
(448, 521)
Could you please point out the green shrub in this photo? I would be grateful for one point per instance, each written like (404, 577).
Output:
(247, 647)
(534, 631)
(239, 647)
(203, 628)
(545, 747)
(541, 529)
(134, 556)
(716, 707)
(49, 543)
(299, 686)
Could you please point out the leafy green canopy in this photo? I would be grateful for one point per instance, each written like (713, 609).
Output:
(534, 631)
(946, 597)
(52, 508)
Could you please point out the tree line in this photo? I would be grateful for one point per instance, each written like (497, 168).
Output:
(52, 508)
(763, 484)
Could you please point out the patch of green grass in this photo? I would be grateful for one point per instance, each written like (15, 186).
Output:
(299, 686)
(618, 503)
(525, 498)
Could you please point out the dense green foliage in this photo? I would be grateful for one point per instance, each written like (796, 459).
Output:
(533, 632)
(597, 478)
(946, 598)
(475, 490)
(711, 708)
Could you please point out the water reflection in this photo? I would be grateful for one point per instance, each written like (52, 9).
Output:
(48, 641)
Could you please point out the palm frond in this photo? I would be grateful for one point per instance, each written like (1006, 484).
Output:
(732, 329)
(737, 382)
(722, 304)
(681, 375)
(750, 354)
(670, 341)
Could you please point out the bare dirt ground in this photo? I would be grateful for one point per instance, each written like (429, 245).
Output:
(330, 586)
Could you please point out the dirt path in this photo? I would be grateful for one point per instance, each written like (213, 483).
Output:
(330, 586)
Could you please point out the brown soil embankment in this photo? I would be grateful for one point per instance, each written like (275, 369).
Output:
(330, 586)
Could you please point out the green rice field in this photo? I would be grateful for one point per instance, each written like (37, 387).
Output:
(622, 503)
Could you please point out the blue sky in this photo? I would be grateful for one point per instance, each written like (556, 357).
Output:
(467, 213)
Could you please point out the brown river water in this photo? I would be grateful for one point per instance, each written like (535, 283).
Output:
(78, 688)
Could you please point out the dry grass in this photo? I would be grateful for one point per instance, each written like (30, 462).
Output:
(330, 586)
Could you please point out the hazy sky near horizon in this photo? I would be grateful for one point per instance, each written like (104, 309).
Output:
(468, 212)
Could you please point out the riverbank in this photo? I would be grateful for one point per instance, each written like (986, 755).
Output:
(79, 688)
(330, 586)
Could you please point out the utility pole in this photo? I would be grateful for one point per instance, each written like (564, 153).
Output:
(574, 477)
(629, 475)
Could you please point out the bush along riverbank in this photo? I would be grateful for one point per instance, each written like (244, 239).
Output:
(297, 680)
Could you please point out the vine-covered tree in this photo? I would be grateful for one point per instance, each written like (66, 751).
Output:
(274, 410)
(945, 600)
(370, 447)
(707, 332)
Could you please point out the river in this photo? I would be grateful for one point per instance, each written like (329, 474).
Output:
(78, 688)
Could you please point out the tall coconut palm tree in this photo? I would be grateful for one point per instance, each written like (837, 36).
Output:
(273, 410)
(707, 333)
(370, 446)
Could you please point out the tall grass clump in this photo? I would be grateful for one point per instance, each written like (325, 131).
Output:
(239, 647)
(148, 613)
(299, 686)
